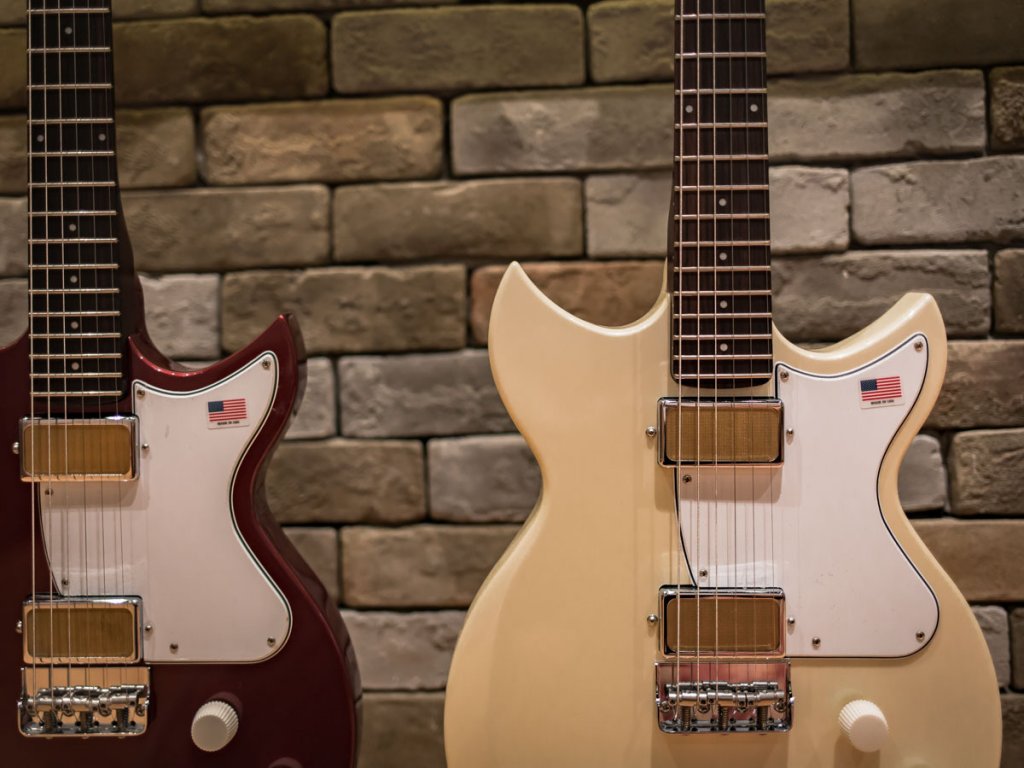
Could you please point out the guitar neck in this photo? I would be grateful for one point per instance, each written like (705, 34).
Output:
(79, 261)
(719, 257)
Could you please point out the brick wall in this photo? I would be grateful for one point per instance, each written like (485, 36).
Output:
(373, 170)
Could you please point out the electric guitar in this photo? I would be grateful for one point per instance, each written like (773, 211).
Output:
(162, 617)
(718, 572)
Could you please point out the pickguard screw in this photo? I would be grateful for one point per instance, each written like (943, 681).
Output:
(141, 394)
(174, 647)
(265, 364)
(64, 582)
(918, 346)
(687, 478)
(789, 432)
(651, 431)
(784, 375)
(703, 573)
(48, 492)
(15, 448)
(920, 637)
(652, 619)
(790, 620)
(271, 641)
(149, 627)
(816, 641)
(19, 627)
(145, 446)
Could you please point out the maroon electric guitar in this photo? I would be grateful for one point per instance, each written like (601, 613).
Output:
(155, 613)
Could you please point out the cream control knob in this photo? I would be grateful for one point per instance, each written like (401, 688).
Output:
(214, 726)
(864, 725)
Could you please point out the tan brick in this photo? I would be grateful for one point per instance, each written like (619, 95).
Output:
(13, 230)
(982, 387)
(221, 59)
(482, 479)
(402, 730)
(995, 626)
(608, 293)
(985, 472)
(1007, 290)
(147, 9)
(348, 481)
(457, 49)
(352, 309)
(181, 315)
(156, 148)
(838, 118)
(563, 130)
(403, 651)
(492, 218)
(12, 12)
(944, 201)
(13, 175)
(442, 566)
(331, 141)
(262, 6)
(1007, 88)
(1017, 654)
(934, 33)
(318, 414)
(1013, 730)
(834, 296)
(632, 40)
(982, 557)
(922, 479)
(420, 396)
(13, 75)
(13, 310)
(319, 548)
(220, 229)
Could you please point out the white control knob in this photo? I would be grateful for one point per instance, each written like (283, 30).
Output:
(214, 726)
(864, 725)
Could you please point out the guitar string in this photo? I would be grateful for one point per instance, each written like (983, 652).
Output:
(30, 135)
(677, 307)
(699, 240)
(714, 316)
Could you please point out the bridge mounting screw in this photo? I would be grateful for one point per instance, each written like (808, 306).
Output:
(651, 431)
(687, 478)
(816, 642)
(918, 346)
(652, 619)
(19, 627)
(784, 375)
(15, 448)
(920, 637)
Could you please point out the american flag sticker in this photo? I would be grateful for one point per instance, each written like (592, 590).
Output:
(876, 393)
(227, 413)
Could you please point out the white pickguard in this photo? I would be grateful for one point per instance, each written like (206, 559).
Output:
(170, 536)
(813, 526)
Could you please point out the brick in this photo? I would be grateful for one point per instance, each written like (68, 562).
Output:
(263, 6)
(982, 386)
(1007, 88)
(913, 34)
(148, 9)
(457, 49)
(1007, 289)
(181, 315)
(492, 218)
(223, 229)
(156, 148)
(985, 472)
(481, 479)
(13, 75)
(442, 566)
(837, 118)
(835, 296)
(420, 396)
(403, 651)
(1013, 731)
(632, 40)
(810, 209)
(415, 717)
(348, 481)
(927, 202)
(234, 58)
(996, 627)
(608, 293)
(12, 12)
(329, 141)
(352, 309)
(13, 310)
(563, 130)
(318, 414)
(982, 557)
(13, 229)
(922, 479)
(1017, 654)
(13, 175)
(319, 548)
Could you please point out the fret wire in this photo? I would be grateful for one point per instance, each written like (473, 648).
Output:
(722, 55)
(71, 87)
(75, 266)
(718, 315)
(70, 49)
(732, 126)
(55, 11)
(741, 336)
(89, 335)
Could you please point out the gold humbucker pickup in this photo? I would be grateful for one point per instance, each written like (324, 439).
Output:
(79, 449)
(719, 432)
(723, 622)
(93, 630)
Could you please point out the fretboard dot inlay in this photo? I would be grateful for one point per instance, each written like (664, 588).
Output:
(102, 137)
(723, 304)
(74, 325)
(75, 366)
(72, 227)
(721, 202)
(753, 107)
(40, 138)
(73, 279)
(689, 109)
(723, 347)
(723, 256)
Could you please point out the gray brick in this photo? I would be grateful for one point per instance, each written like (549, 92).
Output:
(835, 296)
(417, 717)
(446, 49)
(1013, 731)
(1017, 655)
(13, 174)
(319, 548)
(922, 480)
(156, 148)
(318, 414)
(482, 479)
(13, 247)
(857, 117)
(982, 557)
(262, 6)
(13, 310)
(181, 315)
(982, 386)
(348, 481)
(1007, 88)
(403, 651)
(329, 141)
(1007, 290)
(985, 471)
(996, 627)
(946, 201)
(810, 209)
(223, 229)
(420, 396)
(148, 9)
(492, 218)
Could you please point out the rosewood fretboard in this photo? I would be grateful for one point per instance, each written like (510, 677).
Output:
(720, 267)
(75, 226)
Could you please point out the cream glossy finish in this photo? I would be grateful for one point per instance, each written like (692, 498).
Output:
(554, 668)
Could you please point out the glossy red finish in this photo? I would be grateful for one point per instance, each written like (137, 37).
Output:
(298, 709)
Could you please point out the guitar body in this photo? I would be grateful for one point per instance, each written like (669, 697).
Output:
(555, 664)
(193, 538)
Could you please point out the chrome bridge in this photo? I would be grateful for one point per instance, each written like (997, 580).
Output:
(84, 701)
(727, 697)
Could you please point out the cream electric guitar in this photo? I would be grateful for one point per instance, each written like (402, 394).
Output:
(718, 573)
